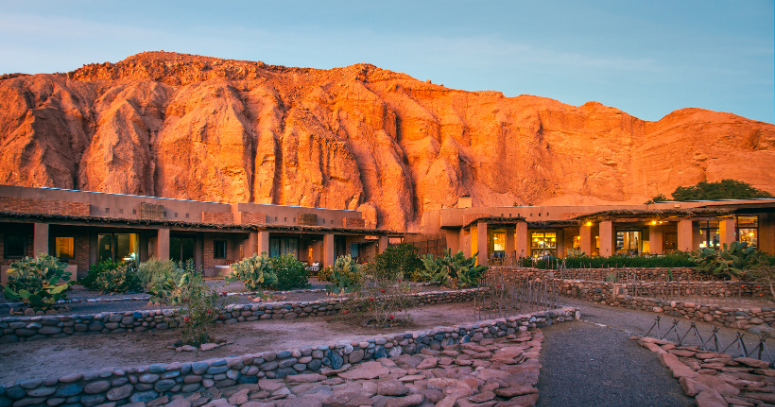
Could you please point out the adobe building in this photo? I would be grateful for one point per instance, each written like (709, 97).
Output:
(83, 228)
(602, 230)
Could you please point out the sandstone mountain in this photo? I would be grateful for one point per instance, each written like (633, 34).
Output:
(358, 137)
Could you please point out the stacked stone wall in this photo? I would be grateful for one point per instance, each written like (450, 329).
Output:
(16, 329)
(642, 273)
(148, 383)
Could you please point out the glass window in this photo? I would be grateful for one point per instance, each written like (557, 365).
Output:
(104, 247)
(543, 243)
(748, 230)
(181, 249)
(628, 242)
(354, 250)
(496, 241)
(65, 247)
(15, 246)
(286, 245)
(709, 234)
(219, 252)
(127, 247)
(576, 242)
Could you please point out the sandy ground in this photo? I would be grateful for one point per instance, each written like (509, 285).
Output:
(62, 356)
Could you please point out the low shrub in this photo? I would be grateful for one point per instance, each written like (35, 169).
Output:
(255, 272)
(171, 289)
(119, 280)
(397, 262)
(345, 275)
(667, 260)
(95, 270)
(153, 272)
(381, 303)
(290, 273)
(38, 282)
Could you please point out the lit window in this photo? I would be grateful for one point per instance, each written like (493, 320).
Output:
(65, 247)
(748, 230)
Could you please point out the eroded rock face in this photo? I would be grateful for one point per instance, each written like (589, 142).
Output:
(358, 137)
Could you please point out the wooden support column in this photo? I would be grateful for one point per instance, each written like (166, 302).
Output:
(40, 239)
(606, 238)
(560, 243)
(685, 235)
(656, 240)
(481, 243)
(522, 240)
(162, 250)
(586, 244)
(329, 256)
(383, 244)
(511, 244)
(727, 231)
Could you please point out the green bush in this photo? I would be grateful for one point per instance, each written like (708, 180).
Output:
(668, 260)
(290, 273)
(254, 271)
(119, 280)
(36, 281)
(154, 272)
(171, 289)
(397, 262)
(729, 261)
(95, 270)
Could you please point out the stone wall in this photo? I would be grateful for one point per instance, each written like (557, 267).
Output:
(147, 383)
(643, 273)
(16, 329)
(620, 295)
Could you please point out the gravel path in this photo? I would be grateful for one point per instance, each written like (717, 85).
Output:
(639, 322)
(588, 365)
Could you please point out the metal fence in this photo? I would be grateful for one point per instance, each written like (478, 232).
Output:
(693, 337)
(502, 296)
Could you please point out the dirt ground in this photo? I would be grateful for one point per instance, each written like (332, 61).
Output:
(62, 356)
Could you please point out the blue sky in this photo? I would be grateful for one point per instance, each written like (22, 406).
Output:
(647, 58)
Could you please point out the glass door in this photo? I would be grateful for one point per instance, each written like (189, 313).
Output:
(628, 242)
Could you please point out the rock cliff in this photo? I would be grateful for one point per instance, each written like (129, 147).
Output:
(358, 137)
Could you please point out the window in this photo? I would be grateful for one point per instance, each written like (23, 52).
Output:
(628, 242)
(709, 234)
(576, 242)
(354, 250)
(748, 230)
(181, 248)
(219, 252)
(64, 247)
(279, 246)
(543, 243)
(121, 247)
(496, 242)
(15, 246)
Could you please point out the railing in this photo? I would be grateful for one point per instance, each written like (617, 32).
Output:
(713, 342)
(502, 296)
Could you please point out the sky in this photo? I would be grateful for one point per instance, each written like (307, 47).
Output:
(647, 58)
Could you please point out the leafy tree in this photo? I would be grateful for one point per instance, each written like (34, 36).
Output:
(658, 198)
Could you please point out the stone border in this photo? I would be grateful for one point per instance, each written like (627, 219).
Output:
(616, 295)
(644, 273)
(16, 329)
(715, 379)
(147, 383)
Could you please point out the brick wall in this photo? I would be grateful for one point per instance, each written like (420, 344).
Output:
(43, 206)
(354, 223)
(217, 217)
(251, 218)
(232, 249)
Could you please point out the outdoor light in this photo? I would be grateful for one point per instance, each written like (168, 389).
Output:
(653, 222)
(589, 223)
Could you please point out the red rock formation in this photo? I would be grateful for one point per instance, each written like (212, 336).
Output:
(358, 137)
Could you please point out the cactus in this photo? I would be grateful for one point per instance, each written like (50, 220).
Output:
(34, 281)
(456, 271)
(253, 271)
(728, 261)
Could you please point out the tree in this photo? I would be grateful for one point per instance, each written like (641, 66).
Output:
(709, 191)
